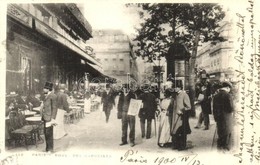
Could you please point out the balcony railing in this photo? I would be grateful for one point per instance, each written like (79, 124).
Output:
(49, 27)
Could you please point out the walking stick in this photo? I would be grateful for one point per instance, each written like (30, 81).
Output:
(159, 130)
(155, 126)
(214, 137)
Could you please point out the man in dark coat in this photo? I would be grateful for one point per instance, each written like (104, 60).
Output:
(147, 112)
(62, 108)
(108, 101)
(222, 111)
(127, 120)
(49, 112)
(62, 102)
(180, 118)
(205, 103)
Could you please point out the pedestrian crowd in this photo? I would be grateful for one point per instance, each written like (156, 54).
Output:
(172, 111)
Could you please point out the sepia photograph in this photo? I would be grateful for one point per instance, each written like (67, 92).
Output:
(130, 82)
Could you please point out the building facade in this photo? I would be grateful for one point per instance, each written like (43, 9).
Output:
(218, 59)
(47, 42)
(114, 51)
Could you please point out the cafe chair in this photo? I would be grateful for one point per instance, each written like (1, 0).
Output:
(68, 117)
(20, 132)
(81, 113)
(80, 103)
(77, 113)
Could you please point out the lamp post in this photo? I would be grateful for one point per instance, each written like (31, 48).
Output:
(157, 69)
(128, 81)
(159, 77)
(86, 81)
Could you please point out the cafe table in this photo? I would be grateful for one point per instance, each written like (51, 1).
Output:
(34, 119)
(38, 109)
(74, 107)
(80, 101)
(36, 122)
(80, 104)
(29, 113)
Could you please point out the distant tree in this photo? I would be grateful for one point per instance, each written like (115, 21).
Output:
(164, 24)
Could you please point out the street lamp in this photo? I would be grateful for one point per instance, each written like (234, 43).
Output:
(128, 81)
(86, 81)
(157, 69)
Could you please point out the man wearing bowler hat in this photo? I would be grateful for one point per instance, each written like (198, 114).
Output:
(127, 120)
(108, 101)
(49, 112)
(222, 111)
(205, 102)
(147, 112)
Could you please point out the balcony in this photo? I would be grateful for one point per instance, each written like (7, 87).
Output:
(50, 26)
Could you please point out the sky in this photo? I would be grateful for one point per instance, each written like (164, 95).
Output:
(107, 15)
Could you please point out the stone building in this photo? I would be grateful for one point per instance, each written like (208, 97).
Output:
(47, 42)
(218, 59)
(114, 51)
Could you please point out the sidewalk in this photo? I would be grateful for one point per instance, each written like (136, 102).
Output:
(92, 132)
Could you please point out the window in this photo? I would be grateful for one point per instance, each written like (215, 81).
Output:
(26, 65)
(106, 59)
(218, 62)
(46, 19)
(117, 37)
(121, 59)
(114, 59)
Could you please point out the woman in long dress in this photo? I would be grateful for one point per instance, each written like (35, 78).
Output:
(165, 107)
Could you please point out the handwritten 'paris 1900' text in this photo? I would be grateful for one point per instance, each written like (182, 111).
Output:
(134, 156)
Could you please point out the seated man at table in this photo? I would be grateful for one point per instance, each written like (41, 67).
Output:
(10, 106)
(33, 100)
(21, 101)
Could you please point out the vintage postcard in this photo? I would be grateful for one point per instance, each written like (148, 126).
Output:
(71, 71)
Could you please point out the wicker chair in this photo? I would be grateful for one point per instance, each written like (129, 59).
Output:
(20, 132)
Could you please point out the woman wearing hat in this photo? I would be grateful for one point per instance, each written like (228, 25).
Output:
(166, 108)
(222, 111)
